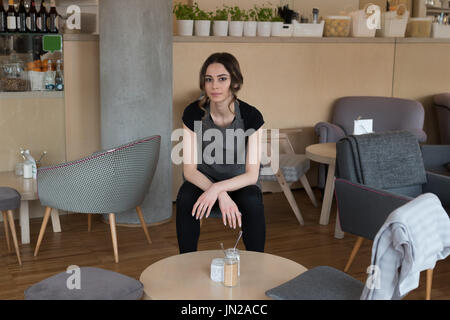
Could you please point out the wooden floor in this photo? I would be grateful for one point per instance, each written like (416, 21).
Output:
(310, 245)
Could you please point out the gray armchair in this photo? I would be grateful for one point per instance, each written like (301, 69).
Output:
(442, 106)
(387, 113)
(436, 158)
(398, 258)
(106, 182)
(378, 173)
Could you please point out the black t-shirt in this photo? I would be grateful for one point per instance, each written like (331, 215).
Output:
(253, 119)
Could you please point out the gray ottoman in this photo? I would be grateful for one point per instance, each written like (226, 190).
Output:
(93, 284)
(319, 283)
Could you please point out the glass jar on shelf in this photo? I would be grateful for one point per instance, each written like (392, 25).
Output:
(14, 77)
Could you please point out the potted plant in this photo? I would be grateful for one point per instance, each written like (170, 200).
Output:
(202, 21)
(250, 23)
(237, 16)
(220, 22)
(276, 25)
(184, 14)
(264, 18)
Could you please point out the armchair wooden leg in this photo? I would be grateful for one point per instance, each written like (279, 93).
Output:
(356, 247)
(429, 283)
(43, 226)
(5, 224)
(144, 226)
(89, 222)
(13, 233)
(290, 197)
(308, 190)
(112, 224)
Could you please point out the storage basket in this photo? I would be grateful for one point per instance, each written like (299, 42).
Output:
(440, 31)
(308, 29)
(360, 22)
(337, 26)
(419, 27)
(287, 30)
(393, 23)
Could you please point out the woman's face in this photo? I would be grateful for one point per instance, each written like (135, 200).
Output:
(217, 83)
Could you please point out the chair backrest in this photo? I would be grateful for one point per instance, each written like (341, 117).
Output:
(442, 106)
(391, 161)
(387, 113)
(436, 158)
(110, 181)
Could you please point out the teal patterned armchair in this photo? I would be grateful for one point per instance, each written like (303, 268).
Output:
(106, 182)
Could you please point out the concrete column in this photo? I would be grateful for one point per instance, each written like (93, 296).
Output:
(136, 88)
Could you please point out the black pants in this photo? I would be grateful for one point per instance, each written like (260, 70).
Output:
(249, 202)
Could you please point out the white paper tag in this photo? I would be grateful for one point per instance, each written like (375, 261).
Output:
(363, 126)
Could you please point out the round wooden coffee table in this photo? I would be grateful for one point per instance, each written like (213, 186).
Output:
(187, 277)
(326, 153)
(28, 192)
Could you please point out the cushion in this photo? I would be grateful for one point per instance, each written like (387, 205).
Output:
(95, 284)
(293, 167)
(9, 199)
(442, 99)
(319, 283)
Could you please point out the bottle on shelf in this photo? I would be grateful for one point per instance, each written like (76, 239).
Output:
(49, 79)
(32, 18)
(53, 18)
(3, 26)
(42, 18)
(59, 77)
(22, 17)
(11, 17)
(315, 18)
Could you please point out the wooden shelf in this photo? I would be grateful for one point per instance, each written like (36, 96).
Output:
(284, 40)
(437, 10)
(32, 95)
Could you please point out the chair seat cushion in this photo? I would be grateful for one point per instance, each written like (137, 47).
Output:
(319, 283)
(95, 284)
(293, 167)
(9, 199)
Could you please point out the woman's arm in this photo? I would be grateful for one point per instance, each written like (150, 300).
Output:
(190, 161)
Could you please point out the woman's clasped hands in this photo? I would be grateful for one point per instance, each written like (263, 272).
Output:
(228, 207)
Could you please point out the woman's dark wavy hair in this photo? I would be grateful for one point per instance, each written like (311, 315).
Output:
(231, 65)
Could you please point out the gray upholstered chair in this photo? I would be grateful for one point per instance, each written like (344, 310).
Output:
(9, 201)
(106, 182)
(396, 262)
(378, 173)
(436, 158)
(442, 106)
(387, 113)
